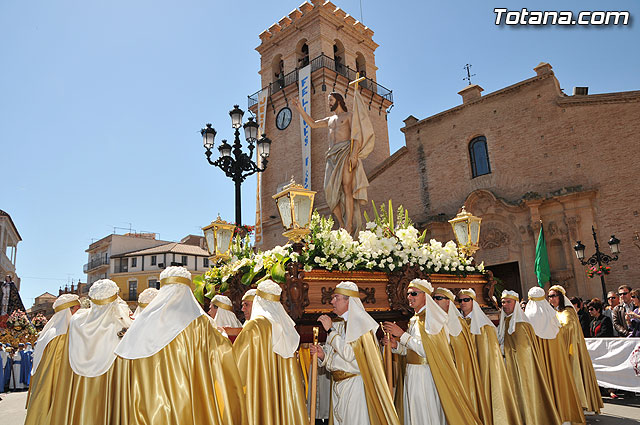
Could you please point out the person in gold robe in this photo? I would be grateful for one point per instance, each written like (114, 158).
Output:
(265, 352)
(87, 375)
(221, 311)
(496, 382)
(525, 364)
(464, 353)
(581, 365)
(430, 324)
(46, 361)
(144, 299)
(359, 393)
(556, 359)
(247, 304)
(175, 367)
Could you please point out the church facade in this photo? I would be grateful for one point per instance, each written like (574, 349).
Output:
(522, 155)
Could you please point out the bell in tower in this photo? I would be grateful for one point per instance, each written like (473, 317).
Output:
(315, 50)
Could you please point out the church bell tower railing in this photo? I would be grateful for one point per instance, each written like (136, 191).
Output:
(330, 64)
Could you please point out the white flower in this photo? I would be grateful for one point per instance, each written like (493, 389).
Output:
(392, 266)
(470, 268)
(348, 264)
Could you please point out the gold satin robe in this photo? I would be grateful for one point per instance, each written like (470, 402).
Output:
(80, 400)
(581, 365)
(379, 402)
(192, 380)
(456, 405)
(466, 360)
(44, 384)
(561, 384)
(527, 372)
(274, 388)
(495, 381)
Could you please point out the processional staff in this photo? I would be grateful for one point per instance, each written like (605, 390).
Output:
(313, 378)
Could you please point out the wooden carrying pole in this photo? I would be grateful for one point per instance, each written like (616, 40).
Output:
(313, 380)
(388, 362)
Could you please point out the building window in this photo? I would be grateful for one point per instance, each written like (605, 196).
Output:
(184, 260)
(153, 283)
(205, 262)
(154, 260)
(134, 262)
(133, 290)
(479, 157)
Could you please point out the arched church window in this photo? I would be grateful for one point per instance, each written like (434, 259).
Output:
(361, 65)
(479, 157)
(339, 57)
(278, 72)
(303, 54)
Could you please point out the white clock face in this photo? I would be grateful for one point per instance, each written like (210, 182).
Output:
(283, 119)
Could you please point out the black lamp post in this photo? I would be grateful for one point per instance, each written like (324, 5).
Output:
(239, 166)
(599, 257)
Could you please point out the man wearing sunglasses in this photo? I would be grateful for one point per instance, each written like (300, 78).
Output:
(497, 385)
(464, 353)
(620, 311)
(432, 387)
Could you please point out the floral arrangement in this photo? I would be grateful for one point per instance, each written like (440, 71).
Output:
(243, 230)
(386, 245)
(18, 318)
(39, 321)
(598, 270)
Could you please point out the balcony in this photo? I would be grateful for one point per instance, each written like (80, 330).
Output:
(329, 79)
(6, 264)
(94, 264)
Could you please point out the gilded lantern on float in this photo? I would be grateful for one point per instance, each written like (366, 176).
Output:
(466, 228)
(218, 236)
(295, 206)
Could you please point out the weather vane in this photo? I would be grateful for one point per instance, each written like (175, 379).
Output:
(467, 67)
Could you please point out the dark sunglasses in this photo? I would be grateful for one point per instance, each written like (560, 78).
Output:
(634, 296)
(612, 298)
(592, 309)
(464, 300)
(439, 297)
(622, 293)
(553, 296)
(413, 294)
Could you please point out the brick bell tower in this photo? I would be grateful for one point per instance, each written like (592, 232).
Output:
(337, 46)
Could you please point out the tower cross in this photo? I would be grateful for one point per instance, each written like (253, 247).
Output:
(356, 82)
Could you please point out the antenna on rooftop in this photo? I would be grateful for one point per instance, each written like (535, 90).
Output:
(467, 67)
(361, 12)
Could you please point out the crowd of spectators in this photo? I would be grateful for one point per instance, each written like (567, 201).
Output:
(618, 316)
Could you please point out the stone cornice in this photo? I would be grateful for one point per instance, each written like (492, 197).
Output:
(594, 99)
(300, 17)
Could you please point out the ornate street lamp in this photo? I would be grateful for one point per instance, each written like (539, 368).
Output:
(599, 257)
(236, 164)
(466, 228)
(218, 236)
(295, 205)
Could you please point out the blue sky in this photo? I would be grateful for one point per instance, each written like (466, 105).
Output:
(101, 101)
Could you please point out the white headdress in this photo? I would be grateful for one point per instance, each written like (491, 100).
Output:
(567, 301)
(516, 316)
(360, 322)
(56, 326)
(478, 318)
(453, 315)
(225, 316)
(93, 333)
(284, 337)
(435, 317)
(541, 315)
(249, 295)
(144, 299)
(170, 312)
